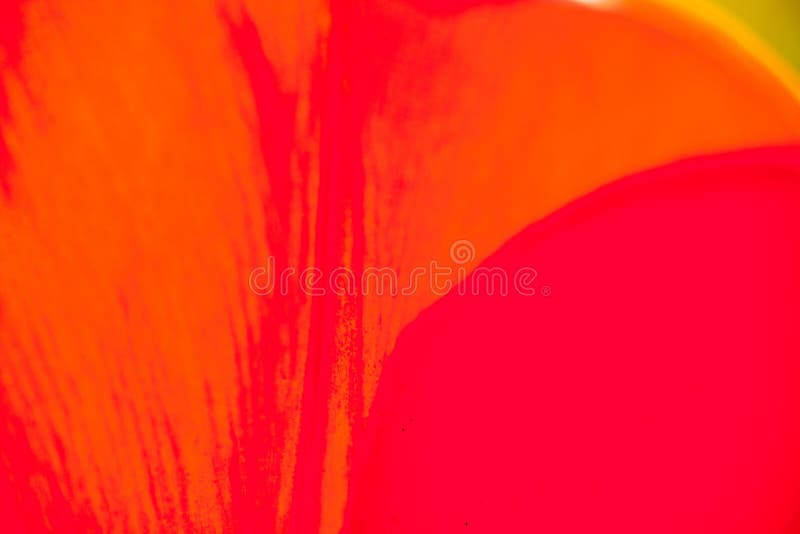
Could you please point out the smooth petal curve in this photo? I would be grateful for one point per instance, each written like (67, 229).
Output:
(649, 385)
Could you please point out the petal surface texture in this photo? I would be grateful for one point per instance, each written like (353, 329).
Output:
(154, 154)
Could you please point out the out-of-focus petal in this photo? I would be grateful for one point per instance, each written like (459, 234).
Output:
(645, 379)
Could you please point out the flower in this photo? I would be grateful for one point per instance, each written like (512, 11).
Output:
(153, 153)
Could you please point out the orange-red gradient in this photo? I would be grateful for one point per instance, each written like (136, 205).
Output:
(153, 153)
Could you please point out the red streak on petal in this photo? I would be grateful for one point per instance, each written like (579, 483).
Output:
(11, 31)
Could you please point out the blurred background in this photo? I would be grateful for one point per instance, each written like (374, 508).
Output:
(776, 21)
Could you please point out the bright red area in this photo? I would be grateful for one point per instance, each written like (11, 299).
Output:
(656, 389)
